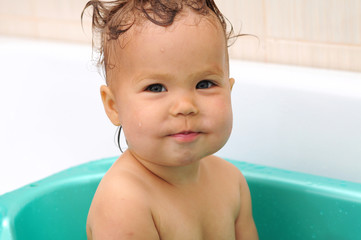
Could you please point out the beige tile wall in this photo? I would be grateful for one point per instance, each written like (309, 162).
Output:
(51, 19)
(318, 33)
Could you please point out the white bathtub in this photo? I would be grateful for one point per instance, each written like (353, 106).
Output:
(294, 118)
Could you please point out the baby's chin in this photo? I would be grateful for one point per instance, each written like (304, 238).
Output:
(167, 159)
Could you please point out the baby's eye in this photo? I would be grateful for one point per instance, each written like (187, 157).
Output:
(156, 88)
(204, 84)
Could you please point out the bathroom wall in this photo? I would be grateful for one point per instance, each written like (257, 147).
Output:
(49, 19)
(317, 33)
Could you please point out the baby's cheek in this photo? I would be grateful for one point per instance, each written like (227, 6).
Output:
(224, 116)
(142, 125)
(223, 107)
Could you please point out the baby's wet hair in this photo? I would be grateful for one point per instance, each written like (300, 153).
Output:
(111, 19)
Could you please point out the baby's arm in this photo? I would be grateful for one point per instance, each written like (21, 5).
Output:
(245, 226)
(120, 211)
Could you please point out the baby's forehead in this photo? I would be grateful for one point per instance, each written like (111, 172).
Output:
(185, 19)
(149, 38)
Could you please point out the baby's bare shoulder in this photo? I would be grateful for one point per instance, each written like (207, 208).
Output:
(221, 167)
(234, 179)
(120, 183)
(120, 208)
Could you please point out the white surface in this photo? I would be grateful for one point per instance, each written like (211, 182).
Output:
(51, 113)
(294, 118)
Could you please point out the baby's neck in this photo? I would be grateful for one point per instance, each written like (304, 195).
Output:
(178, 176)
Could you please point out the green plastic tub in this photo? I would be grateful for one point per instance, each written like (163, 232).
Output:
(287, 205)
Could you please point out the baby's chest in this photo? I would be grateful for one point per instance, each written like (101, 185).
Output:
(198, 222)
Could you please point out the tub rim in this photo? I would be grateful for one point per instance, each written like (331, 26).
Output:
(13, 202)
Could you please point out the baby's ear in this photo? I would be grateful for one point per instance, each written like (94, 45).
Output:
(109, 104)
(231, 82)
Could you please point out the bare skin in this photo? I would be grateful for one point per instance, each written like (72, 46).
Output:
(170, 91)
(133, 203)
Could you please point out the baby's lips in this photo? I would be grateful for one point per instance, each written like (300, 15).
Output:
(185, 136)
(185, 132)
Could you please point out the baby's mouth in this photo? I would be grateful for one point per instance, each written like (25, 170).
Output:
(186, 136)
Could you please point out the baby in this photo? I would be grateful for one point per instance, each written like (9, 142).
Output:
(168, 87)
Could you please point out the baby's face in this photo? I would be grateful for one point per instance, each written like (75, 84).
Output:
(170, 91)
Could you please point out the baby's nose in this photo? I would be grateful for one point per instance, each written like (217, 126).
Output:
(184, 105)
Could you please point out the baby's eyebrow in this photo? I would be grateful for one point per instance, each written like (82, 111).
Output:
(209, 71)
(213, 70)
(153, 76)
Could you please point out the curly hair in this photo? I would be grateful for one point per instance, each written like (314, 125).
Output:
(111, 19)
